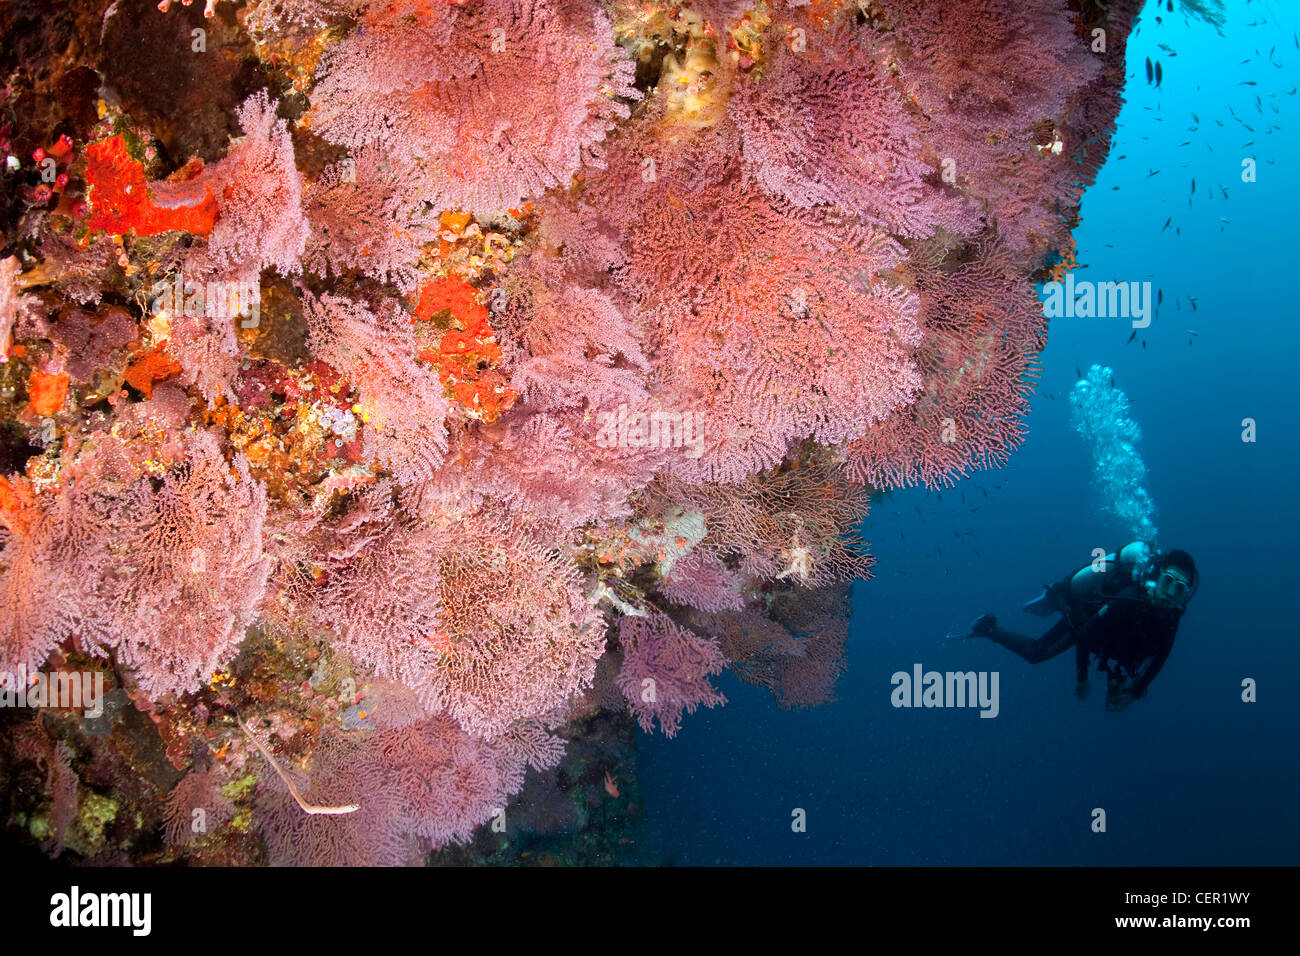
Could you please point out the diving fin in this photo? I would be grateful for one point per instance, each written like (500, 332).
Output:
(1042, 606)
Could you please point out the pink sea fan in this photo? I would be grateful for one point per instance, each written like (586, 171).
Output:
(61, 782)
(480, 618)
(797, 525)
(579, 350)
(54, 554)
(204, 342)
(195, 574)
(12, 302)
(390, 705)
(983, 328)
(819, 620)
(366, 213)
(785, 327)
(403, 404)
(794, 648)
(561, 466)
(494, 102)
(196, 806)
(379, 590)
(666, 670)
(994, 78)
(417, 788)
(344, 771)
(824, 126)
(259, 194)
(702, 581)
(79, 272)
(313, 15)
(452, 781)
(520, 638)
(721, 13)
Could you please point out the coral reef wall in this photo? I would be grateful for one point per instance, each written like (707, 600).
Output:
(397, 393)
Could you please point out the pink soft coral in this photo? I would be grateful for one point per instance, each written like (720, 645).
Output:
(666, 670)
(493, 102)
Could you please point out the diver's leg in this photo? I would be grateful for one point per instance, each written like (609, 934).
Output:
(1060, 637)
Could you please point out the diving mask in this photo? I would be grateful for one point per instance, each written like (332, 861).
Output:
(1172, 587)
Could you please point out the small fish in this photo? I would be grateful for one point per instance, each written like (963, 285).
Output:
(1193, 187)
(1132, 337)
(1077, 372)
(1248, 83)
(1149, 73)
(1159, 75)
(1167, 222)
(1193, 333)
(1154, 172)
(1160, 296)
(1192, 300)
(1197, 118)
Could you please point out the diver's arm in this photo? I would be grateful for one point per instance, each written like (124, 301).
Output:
(1151, 666)
(1081, 687)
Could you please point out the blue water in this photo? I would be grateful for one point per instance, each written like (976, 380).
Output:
(1189, 775)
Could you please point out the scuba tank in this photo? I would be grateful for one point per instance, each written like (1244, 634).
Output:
(1134, 559)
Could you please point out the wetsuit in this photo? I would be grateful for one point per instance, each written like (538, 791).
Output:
(1106, 615)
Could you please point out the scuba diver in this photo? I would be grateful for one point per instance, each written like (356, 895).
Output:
(1123, 610)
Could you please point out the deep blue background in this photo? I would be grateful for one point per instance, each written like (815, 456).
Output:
(1191, 774)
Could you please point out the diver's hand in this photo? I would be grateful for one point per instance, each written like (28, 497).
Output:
(1082, 690)
(983, 627)
(1119, 701)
